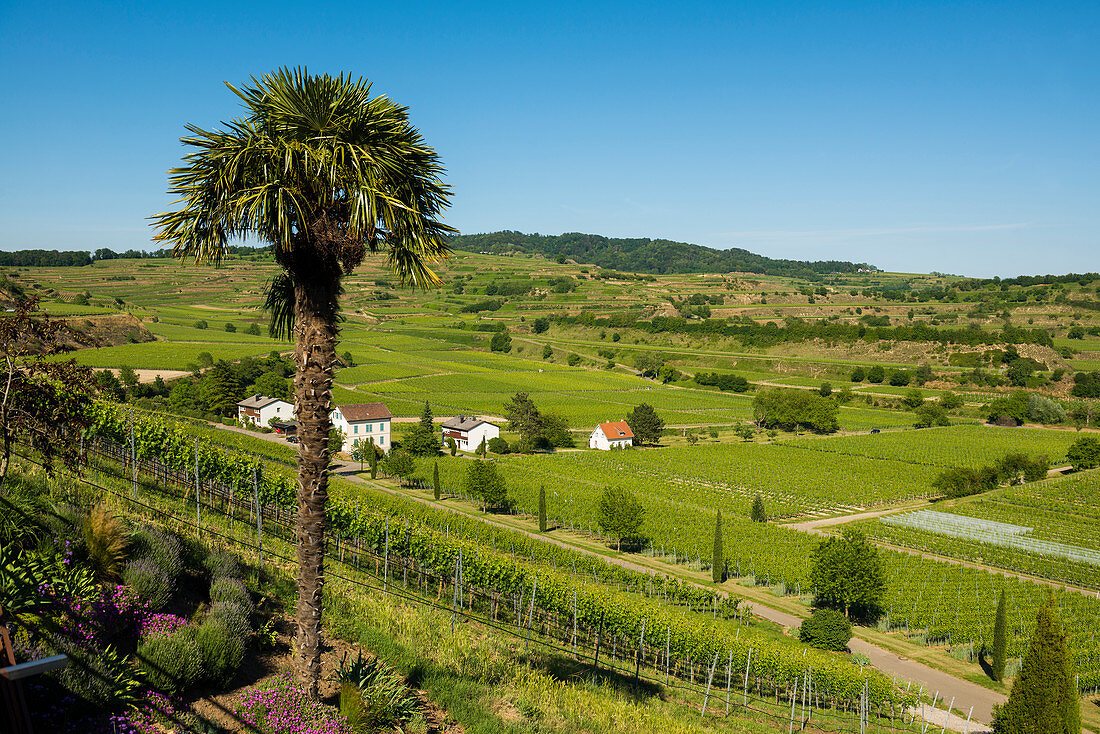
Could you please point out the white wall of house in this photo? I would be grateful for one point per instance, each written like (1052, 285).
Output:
(470, 440)
(599, 440)
(280, 409)
(377, 430)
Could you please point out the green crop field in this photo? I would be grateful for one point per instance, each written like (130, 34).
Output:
(965, 446)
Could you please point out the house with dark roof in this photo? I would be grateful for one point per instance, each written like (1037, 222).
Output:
(468, 431)
(260, 409)
(363, 422)
(612, 435)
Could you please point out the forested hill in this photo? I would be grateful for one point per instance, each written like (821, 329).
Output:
(646, 255)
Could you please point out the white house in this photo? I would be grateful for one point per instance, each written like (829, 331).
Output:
(259, 409)
(366, 422)
(468, 431)
(607, 436)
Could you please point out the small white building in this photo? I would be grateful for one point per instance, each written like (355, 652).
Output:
(468, 431)
(366, 422)
(607, 436)
(259, 410)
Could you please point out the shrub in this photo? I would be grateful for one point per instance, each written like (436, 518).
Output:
(222, 651)
(222, 564)
(876, 374)
(163, 548)
(900, 378)
(150, 581)
(232, 617)
(931, 414)
(826, 629)
(499, 446)
(1041, 409)
(231, 591)
(172, 663)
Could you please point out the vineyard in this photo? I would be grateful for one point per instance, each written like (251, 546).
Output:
(921, 592)
(681, 483)
(1059, 512)
(778, 664)
(968, 446)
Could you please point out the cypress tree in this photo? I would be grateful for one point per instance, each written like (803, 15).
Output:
(1044, 695)
(542, 508)
(373, 463)
(716, 560)
(999, 642)
(758, 514)
(435, 481)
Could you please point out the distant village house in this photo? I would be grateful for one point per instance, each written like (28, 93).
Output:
(468, 431)
(615, 435)
(364, 422)
(259, 410)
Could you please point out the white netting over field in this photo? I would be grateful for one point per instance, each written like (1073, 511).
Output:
(988, 531)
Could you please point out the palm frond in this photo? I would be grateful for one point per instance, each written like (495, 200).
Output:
(279, 303)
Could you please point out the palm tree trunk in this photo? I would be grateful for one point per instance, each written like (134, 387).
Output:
(315, 355)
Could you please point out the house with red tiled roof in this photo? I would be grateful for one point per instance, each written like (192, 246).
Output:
(363, 422)
(615, 435)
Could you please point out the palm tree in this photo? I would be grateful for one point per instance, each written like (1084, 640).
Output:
(326, 175)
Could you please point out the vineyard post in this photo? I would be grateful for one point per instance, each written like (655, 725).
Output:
(729, 679)
(574, 615)
(948, 716)
(745, 695)
(259, 515)
(386, 562)
(802, 714)
(133, 456)
(641, 651)
(966, 730)
(596, 658)
(710, 678)
(198, 518)
(668, 634)
(454, 599)
(794, 700)
(531, 614)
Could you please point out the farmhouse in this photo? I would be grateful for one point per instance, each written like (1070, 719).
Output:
(259, 409)
(366, 422)
(468, 431)
(607, 436)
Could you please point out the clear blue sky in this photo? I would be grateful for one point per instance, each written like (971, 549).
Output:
(959, 137)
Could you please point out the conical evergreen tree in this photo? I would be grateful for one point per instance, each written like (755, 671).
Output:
(758, 514)
(1000, 643)
(1044, 695)
(435, 481)
(718, 557)
(373, 463)
(542, 508)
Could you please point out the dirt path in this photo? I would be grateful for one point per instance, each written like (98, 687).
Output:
(810, 526)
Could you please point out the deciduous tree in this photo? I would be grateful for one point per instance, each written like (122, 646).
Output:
(847, 575)
(620, 514)
(645, 423)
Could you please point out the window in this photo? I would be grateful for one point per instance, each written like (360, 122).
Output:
(382, 440)
(356, 430)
